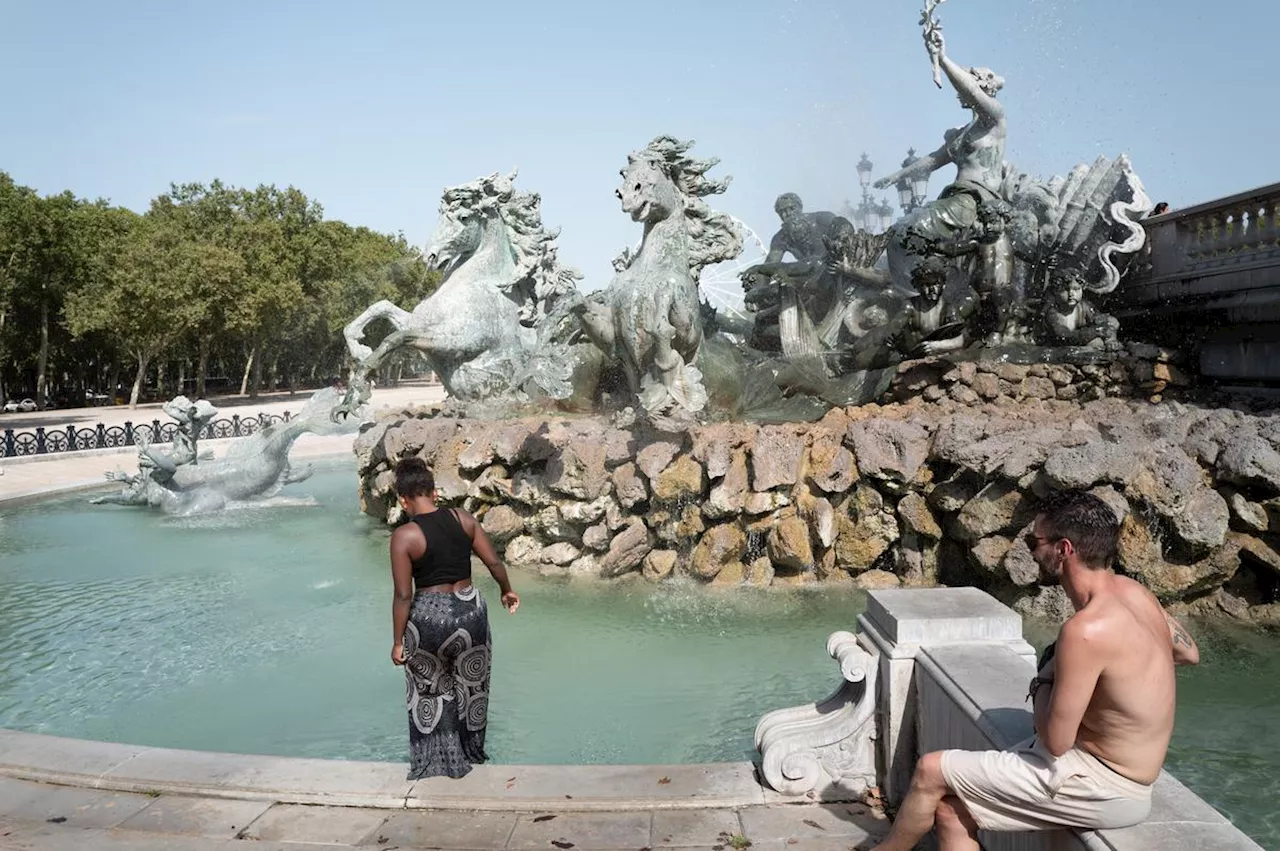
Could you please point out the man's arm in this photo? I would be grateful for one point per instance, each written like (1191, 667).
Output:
(777, 247)
(1185, 651)
(1077, 666)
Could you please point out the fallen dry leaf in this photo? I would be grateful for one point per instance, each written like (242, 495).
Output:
(663, 781)
(562, 843)
(543, 818)
(814, 824)
(511, 780)
(56, 819)
(570, 797)
(792, 841)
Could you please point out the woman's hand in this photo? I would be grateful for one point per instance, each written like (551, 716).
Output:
(511, 601)
(397, 654)
(934, 42)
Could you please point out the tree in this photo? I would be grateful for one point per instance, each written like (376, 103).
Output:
(18, 214)
(156, 292)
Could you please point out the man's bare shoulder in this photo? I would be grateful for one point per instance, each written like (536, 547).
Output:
(1105, 621)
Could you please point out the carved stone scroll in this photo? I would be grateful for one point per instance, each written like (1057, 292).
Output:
(827, 747)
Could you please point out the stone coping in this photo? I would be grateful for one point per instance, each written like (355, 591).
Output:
(516, 788)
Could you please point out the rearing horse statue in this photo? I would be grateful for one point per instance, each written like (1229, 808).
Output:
(649, 316)
(485, 329)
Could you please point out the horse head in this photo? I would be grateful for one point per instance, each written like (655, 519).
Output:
(465, 212)
(647, 194)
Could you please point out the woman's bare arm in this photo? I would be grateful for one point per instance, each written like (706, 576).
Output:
(402, 580)
(926, 165)
(483, 548)
(987, 107)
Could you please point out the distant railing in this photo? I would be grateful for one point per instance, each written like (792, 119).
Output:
(71, 438)
(1213, 249)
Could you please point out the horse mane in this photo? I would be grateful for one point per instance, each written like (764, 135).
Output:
(533, 247)
(713, 236)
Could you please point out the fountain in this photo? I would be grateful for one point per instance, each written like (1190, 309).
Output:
(887, 417)
(892, 414)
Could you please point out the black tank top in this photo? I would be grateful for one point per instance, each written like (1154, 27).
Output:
(448, 554)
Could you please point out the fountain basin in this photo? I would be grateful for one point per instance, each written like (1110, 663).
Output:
(264, 631)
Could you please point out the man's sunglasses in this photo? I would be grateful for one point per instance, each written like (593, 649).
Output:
(1033, 540)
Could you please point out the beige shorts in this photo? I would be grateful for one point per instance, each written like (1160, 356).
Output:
(1026, 788)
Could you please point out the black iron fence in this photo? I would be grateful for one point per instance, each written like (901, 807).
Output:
(71, 438)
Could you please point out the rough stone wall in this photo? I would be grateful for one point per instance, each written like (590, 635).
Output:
(1140, 371)
(912, 494)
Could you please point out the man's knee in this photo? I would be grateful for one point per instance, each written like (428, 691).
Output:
(928, 775)
(953, 816)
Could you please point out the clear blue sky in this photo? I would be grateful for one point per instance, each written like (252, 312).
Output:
(373, 107)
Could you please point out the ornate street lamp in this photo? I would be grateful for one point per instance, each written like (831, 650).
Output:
(886, 215)
(912, 191)
(919, 190)
(906, 192)
(864, 171)
(859, 218)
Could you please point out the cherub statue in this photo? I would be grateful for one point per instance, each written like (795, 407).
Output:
(990, 244)
(930, 325)
(1070, 320)
(192, 417)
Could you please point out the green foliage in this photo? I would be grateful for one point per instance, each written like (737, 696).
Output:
(251, 281)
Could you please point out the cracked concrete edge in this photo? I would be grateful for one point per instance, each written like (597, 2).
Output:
(594, 788)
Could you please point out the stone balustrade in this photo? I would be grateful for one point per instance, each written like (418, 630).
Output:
(1209, 278)
(953, 671)
(1189, 251)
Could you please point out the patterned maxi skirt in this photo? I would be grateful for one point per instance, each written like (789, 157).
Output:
(447, 652)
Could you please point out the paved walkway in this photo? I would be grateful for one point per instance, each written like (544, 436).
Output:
(56, 818)
(409, 392)
(58, 793)
(33, 476)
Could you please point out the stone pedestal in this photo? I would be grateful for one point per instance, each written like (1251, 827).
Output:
(896, 626)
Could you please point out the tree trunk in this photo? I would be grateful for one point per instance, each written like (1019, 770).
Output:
(255, 377)
(248, 368)
(160, 385)
(182, 376)
(3, 314)
(42, 361)
(202, 367)
(139, 377)
(113, 382)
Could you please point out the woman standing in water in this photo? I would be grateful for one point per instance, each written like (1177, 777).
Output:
(440, 626)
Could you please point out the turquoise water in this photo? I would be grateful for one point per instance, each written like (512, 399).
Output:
(267, 630)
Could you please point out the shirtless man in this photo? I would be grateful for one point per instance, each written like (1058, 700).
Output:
(1103, 705)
